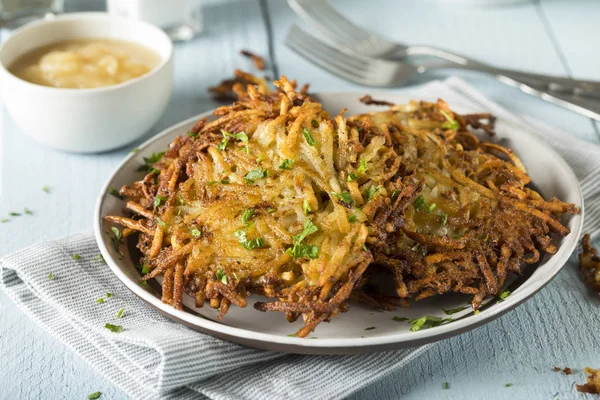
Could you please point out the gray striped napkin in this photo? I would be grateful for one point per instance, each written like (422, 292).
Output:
(155, 358)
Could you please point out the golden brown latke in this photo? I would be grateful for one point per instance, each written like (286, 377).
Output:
(276, 198)
(589, 264)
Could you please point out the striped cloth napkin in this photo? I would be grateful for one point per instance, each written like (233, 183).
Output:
(155, 358)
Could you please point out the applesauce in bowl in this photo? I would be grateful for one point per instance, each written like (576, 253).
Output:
(85, 63)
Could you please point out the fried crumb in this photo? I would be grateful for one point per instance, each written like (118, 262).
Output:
(556, 369)
(258, 61)
(589, 263)
(567, 371)
(368, 100)
(593, 381)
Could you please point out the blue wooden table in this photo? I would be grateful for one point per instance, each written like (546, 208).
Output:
(548, 36)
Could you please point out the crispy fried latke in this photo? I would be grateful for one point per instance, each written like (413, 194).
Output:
(589, 263)
(276, 198)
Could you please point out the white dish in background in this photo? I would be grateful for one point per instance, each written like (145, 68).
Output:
(87, 120)
(347, 333)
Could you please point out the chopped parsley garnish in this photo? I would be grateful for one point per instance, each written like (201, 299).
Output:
(456, 237)
(120, 313)
(223, 181)
(4, 220)
(286, 164)
(161, 222)
(292, 335)
(476, 312)
(100, 300)
(364, 247)
(255, 174)
(362, 167)
(420, 203)
(427, 322)
(371, 192)
(149, 162)
(158, 200)
(259, 158)
(246, 215)
(314, 123)
(46, 188)
(352, 177)
(352, 218)
(345, 197)
(301, 249)
(134, 150)
(454, 310)
(50, 276)
(109, 294)
(446, 385)
(431, 207)
(115, 192)
(271, 210)
(145, 269)
(309, 139)
(76, 257)
(221, 146)
(192, 134)
(450, 123)
(369, 328)
(487, 236)
(306, 207)
(95, 395)
(241, 136)
(14, 214)
(220, 274)
(180, 200)
(508, 384)
(27, 211)
(395, 194)
(444, 219)
(114, 328)
(249, 244)
(399, 319)
(504, 294)
(196, 232)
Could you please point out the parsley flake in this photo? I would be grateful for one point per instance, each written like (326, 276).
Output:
(454, 310)
(446, 385)
(196, 232)
(4, 220)
(14, 214)
(50, 276)
(399, 319)
(431, 207)
(220, 274)
(363, 166)
(100, 300)
(46, 188)
(246, 215)
(306, 207)
(345, 197)
(504, 294)
(427, 322)
(352, 218)
(364, 247)
(309, 139)
(255, 174)
(161, 222)
(300, 249)
(76, 257)
(352, 177)
(114, 328)
(420, 203)
(94, 396)
(369, 328)
(249, 244)
(120, 313)
(450, 123)
(444, 219)
(192, 134)
(158, 200)
(395, 194)
(371, 192)
(508, 384)
(27, 211)
(314, 123)
(286, 164)
(115, 192)
(145, 269)
(149, 162)
(241, 136)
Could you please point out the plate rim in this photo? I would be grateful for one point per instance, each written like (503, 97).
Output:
(333, 345)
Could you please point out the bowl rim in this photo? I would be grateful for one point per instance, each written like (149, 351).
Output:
(339, 345)
(91, 15)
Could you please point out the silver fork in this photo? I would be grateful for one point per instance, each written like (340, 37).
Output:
(352, 38)
(383, 73)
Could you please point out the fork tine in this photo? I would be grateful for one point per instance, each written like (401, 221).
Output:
(326, 16)
(318, 58)
(296, 34)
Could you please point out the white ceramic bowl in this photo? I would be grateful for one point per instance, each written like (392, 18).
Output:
(347, 333)
(87, 120)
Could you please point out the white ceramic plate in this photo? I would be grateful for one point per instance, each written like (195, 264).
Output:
(347, 332)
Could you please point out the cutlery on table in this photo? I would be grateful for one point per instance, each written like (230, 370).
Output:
(352, 38)
(385, 73)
